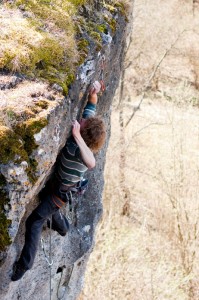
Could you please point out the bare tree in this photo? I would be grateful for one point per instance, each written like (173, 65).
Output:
(148, 84)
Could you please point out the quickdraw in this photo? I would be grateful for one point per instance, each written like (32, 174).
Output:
(72, 116)
(101, 76)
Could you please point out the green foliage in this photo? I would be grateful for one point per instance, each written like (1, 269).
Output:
(42, 45)
(51, 52)
(32, 169)
(77, 2)
(4, 235)
(112, 23)
(26, 131)
(4, 222)
(120, 5)
(11, 145)
(82, 46)
(17, 143)
(56, 11)
(43, 104)
(96, 36)
(93, 30)
(102, 28)
(10, 114)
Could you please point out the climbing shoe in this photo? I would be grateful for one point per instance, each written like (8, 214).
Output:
(18, 271)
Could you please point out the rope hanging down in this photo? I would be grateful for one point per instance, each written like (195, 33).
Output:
(48, 258)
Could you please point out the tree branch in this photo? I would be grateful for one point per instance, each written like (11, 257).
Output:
(135, 109)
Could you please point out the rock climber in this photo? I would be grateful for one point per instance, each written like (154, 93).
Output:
(76, 158)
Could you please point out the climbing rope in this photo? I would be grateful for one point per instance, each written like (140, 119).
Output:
(72, 117)
(48, 258)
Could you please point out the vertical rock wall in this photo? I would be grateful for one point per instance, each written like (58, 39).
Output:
(70, 253)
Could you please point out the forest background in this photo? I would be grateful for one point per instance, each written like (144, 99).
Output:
(147, 246)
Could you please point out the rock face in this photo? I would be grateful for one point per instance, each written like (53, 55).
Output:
(70, 253)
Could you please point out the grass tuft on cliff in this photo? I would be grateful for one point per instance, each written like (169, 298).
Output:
(38, 38)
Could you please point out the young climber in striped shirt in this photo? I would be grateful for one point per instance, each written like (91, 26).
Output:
(76, 158)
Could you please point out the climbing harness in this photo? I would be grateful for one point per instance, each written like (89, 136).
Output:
(48, 258)
(78, 190)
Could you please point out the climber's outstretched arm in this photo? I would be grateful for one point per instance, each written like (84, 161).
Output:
(92, 97)
(90, 108)
(89, 111)
(95, 89)
(86, 153)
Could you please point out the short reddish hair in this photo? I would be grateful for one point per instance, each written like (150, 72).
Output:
(94, 133)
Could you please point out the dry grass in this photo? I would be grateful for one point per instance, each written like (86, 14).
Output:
(25, 102)
(147, 243)
(19, 52)
(156, 26)
(15, 34)
(40, 35)
(148, 249)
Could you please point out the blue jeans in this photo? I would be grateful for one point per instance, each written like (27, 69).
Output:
(34, 225)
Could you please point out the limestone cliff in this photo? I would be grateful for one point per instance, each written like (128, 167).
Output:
(30, 143)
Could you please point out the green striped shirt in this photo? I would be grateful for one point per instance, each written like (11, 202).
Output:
(71, 168)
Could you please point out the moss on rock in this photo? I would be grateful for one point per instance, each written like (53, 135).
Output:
(4, 222)
(82, 46)
(11, 145)
(32, 169)
(112, 23)
(43, 104)
(102, 28)
(27, 130)
(77, 2)
(18, 144)
(121, 7)
(4, 235)
(51, 53)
